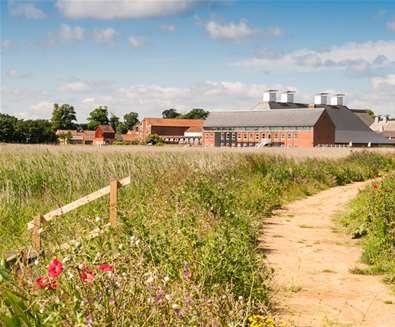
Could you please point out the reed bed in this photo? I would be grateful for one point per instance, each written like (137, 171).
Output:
(186, 252)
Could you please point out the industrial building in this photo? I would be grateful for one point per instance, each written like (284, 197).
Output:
(284, 122)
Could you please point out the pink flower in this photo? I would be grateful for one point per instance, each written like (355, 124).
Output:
(55, 268)
(45, 282)
(105, 267)
(87, 276)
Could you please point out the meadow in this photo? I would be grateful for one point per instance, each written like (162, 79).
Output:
(371, 218)
(185, 252)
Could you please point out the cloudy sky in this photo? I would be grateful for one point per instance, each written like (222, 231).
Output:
(151, 55)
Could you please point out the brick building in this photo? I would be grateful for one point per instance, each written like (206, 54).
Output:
(285, 122)
(384, 126)
(170, 130)
(75, 137)
(104, 134)
(289, 128)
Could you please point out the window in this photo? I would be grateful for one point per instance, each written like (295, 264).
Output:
(268, 136)
(289, 136)
(295, 136)
(275, 136)
(283, 136)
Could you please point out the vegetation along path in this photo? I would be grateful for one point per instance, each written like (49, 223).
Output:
(312, 282)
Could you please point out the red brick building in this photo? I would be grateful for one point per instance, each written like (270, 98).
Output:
(288, 128)
(170, 130)
(104, 134)
(75, 137)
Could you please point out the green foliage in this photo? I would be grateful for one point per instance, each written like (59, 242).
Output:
(372, 218)
(170, 114)
(98, 116)
(8, 128)
(196, 113)
(63, 117)
(130, 119)
(122, 128)
(114, 121)
(154, 139)
(118, 142)
(185, 253)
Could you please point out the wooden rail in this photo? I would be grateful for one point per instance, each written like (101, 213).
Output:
(36, 224)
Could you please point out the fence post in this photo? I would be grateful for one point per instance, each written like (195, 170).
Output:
(113, 202)
(36, 237)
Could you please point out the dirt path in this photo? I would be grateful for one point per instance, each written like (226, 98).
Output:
(312, 260)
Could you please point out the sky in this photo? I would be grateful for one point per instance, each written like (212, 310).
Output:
(150, 55)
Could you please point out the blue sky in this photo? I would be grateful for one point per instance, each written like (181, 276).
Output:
(147, 56)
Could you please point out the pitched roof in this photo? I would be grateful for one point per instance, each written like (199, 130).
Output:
(174, 122)
(348, 127)
(363, 115)
(106, 128)
(264, 118)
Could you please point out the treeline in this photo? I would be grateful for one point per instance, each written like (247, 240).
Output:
(14, 130)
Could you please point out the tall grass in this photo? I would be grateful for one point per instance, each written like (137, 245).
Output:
(372, 218)
(186, 252)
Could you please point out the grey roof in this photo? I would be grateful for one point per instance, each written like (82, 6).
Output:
(363, 115)
(348, 127)
(263, 118)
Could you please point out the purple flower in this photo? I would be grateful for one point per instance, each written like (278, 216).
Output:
(187, 273)
(111, 301)
(89, 320)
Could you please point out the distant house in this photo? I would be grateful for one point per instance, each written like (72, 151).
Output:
(384, 126)
(104, 134)
(75, 137)
(176, 131)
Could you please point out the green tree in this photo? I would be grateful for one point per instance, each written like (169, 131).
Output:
(98, 116)
(170, 113)
(63, 117)
(114, 121)
(131, 119)
(8, 131)
(35, 131)
(196, 113)
(122, 128)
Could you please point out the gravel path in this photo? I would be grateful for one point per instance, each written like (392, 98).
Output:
(312, 282)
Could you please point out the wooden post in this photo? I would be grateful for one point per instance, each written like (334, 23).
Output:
(113, 202)
(36, 237)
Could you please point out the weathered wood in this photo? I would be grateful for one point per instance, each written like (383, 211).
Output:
(113, 202)
(80, 202)
(36, 237)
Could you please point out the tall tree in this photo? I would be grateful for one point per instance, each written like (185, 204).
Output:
(63, 117)
(35, 131)
(131, 119)
(8, 132)
(170, 113)
(196, 113)
(98, 116)
(114, 121)
(122, 128)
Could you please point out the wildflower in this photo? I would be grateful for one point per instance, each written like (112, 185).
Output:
(168, 297)
(98, 218)
(87, 276)
(105, 267)
(187, 273)
(375, 186)
(175, 306)
(240, 298)
(158, 297)
(149, 280)
(66, 259)
(111, 301)
(45, 282)
(55, 268)
(166, 279)
(89, 320)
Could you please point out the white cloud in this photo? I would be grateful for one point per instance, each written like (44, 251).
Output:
(42, 109)
(88, 100)
(168, 28)
(69, 33)
(136, 41)
(229, 31)
(384, 82)
(75, 86)
(105, 35)
(124, 9)
(357, 57)
(27, 10)
(391, 25)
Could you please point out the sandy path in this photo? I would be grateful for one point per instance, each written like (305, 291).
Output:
(312, 283)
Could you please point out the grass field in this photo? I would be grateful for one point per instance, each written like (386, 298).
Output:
(185, 253)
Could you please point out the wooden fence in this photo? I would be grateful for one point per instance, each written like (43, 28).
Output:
(36, 225)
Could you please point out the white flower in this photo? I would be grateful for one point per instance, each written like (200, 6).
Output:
(166, 279)
(175, 306)
(66, 259)
(240, 298)
(150, 279)
(224, 296)
(168, 297)
(98, 218)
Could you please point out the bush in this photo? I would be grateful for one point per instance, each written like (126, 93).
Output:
(154, 139)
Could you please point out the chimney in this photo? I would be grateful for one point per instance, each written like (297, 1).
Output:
(270, 96)
(321, 98)
(287, 96)
(337, 99)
